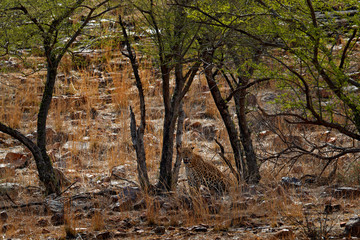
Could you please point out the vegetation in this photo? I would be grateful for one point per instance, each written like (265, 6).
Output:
(270, 88)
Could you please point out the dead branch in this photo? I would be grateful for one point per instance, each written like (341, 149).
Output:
(227, 161)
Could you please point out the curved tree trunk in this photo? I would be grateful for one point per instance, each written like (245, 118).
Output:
(45, 168)
(137, 134)
(225, 114)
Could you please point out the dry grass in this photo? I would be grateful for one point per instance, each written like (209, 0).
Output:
(94, 116)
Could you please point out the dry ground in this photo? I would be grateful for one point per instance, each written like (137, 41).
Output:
(89, 141)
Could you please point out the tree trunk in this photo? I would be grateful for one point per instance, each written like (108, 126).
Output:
(179, 133)
(253, 175)
(44, 165)
(225, 114)
(137, 135)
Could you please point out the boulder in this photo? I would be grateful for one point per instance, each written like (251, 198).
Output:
(352, 227)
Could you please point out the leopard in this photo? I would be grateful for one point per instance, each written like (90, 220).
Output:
(200, 172)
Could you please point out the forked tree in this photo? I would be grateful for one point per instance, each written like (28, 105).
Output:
(173, 34)
(30, 24)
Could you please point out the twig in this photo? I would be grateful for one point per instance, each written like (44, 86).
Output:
(10, 198)
(66, 189)
(22, 205)
(228, 163)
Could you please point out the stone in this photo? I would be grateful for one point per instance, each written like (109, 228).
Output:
(160, 230)
(17, 160)
(7, 227)
(42, 222)
(290, 181)
(57, 219)
(3, 216)
(6, 170)
(284, 234)
(346, 192)
(54, 206)
(352, 227)
(12, 189)
(195, 126)
(199, 228)
(209, 132)
(103, 235)
(332, 208)
(118, 171)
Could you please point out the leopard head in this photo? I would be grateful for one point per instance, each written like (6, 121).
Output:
(186, 154)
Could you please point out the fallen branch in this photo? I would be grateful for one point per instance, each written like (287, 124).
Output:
(23, 205)
(227, 161)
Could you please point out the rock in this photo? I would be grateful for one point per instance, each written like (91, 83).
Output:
(268, 96)
(195, 126)
(160, 230)
(332, 208)
(290, 181)
(346, 192)
(285, 234)
(17, 160)
(3, 216)
(10, 188)
(209, 132)
(352, 227)
(42, 222)
(57, 219)
(6, 170)
(118, 171)
(7, 227)
(54, 206)
(104, 235)
(199, 228)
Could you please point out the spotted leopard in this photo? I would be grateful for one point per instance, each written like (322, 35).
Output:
(200, 172)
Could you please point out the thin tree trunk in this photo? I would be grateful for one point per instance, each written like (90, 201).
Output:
(138, 143)
(44, 165)
(137, 135)
(179, 133)
(253, 175)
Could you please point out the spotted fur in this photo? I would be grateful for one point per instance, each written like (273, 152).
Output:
(200, 172)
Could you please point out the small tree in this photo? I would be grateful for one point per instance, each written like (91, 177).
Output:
(23, 25)
(173, 35)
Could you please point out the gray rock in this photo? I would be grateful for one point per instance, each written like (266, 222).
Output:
(352, 227)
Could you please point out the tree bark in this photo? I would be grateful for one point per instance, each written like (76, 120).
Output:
(138, 143)
(179, 133)
(253, 175)
(225, 114)
(137, 135)
(44, 165)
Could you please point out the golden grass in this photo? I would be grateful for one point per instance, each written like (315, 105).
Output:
(108, 137)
